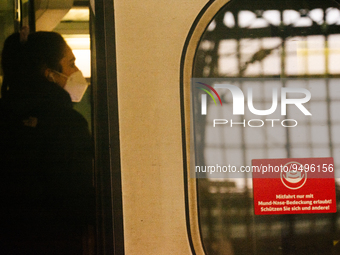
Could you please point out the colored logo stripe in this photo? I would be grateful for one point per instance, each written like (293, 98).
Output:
(208, 94)
(212, 90)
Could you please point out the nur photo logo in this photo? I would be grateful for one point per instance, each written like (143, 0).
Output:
(204, 97)
(277, 98)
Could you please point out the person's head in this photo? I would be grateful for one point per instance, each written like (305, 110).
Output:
(49, 57)
(40, 56)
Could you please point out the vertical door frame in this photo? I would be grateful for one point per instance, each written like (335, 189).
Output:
(107, 165)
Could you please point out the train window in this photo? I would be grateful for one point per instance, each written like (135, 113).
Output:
(259, 48)
(74, 27)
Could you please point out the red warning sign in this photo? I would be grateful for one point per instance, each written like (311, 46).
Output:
(293, 186)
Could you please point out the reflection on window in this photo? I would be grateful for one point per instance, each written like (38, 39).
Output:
(292, 45)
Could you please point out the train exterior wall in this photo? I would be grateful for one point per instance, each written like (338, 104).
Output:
(150, 37)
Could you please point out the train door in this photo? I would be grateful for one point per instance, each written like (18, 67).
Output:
(82, 23)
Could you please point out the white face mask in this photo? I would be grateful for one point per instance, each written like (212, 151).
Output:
(76, 85)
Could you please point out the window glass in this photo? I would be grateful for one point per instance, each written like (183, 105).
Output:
(262, 46)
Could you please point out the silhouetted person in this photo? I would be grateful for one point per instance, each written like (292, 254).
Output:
(46, 190)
